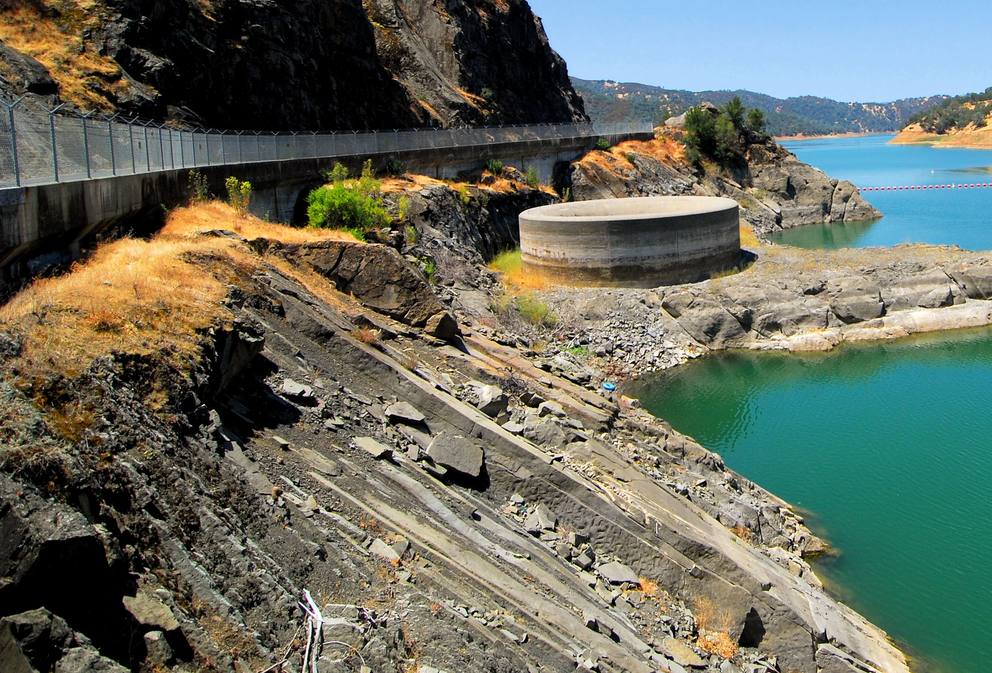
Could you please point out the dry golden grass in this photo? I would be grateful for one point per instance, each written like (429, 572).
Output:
(718, 643)
(132, 296)
(710, 616)
(517, 279)
(649, 587)
(146, 296)
(191, 221)
(748, 239)
(55, 38)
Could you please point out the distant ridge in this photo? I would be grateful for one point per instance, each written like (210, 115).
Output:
(608, 101)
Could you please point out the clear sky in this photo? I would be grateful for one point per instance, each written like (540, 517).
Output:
(868, 51)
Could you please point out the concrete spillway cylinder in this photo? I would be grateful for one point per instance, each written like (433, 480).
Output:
(642, 242)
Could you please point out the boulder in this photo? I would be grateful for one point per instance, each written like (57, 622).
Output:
(291, 388)
(492, 401)
(457, 453)
(372, 447)
(855, 299)
(442, 326)
(404, 412)
(384, 551)
(375, 275)
(33, 641)
(681, 653)
(148, 610)
(976, 281)
(541, 519)
(618, 573)
(158, 648)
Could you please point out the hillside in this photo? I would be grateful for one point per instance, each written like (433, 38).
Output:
(961, 121)
(607, 101)
(309, 65)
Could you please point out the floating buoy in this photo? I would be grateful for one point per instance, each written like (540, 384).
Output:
(609, 386)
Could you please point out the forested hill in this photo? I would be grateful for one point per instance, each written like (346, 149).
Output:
(607, 101)
(956, 113)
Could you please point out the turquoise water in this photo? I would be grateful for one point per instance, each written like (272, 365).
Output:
(889, 446)
(945, 217)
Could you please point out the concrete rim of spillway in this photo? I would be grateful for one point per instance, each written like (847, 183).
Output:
(638, 242)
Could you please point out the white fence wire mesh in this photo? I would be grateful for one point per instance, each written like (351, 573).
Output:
(40, 148)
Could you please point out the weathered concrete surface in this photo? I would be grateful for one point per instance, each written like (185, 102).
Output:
(631, 242)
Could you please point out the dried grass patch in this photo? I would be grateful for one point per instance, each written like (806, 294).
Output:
(55, 38)
(515, 277)
(146, 297)
(718, 643)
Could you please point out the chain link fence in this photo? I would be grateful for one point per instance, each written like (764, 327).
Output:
(43, 148)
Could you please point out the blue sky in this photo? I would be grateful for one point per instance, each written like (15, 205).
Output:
(869, 51)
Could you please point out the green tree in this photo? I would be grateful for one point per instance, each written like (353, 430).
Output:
(756, 120)
(735, 112)
(726, 139)
(700, 130)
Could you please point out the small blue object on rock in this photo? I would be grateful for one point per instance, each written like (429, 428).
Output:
(609, 386)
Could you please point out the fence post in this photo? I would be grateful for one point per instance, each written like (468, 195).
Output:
(148, 151)
(240, 154)
(110, 135)
(86, 145)
(51, 127)
(161, 144)
(13, 138)
(130, 135)
(223, 149)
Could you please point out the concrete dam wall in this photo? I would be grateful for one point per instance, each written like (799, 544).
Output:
(640, 242)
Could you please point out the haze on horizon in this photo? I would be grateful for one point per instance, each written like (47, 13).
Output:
(878, 51)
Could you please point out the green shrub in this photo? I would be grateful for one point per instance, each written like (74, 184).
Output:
(403, 207)
(429, 269)
(507, 262)
(533, 179)
(338, 173)
(355, 206)
(198, 184)
(495, 166)
(412, 235)
(603, 145)
(535, 311)
(463, 194)
(631, 156)
(238, 195)
(394, 166)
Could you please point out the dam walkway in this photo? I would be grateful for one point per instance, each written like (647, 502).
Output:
(38, 149)
(66, 180)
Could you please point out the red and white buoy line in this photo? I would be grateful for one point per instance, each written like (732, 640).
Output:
(976, 185)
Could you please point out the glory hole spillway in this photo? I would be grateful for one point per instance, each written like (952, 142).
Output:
(641, 242)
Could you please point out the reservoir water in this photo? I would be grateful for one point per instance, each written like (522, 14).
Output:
(887, 446)
(944, 217)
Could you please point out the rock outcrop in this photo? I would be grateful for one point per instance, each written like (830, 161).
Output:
(775, 190)
(307, 66)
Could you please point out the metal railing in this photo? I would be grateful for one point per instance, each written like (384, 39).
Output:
(51, 147)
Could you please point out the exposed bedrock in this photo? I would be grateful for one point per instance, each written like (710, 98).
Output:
(539, 524)
(303, 66)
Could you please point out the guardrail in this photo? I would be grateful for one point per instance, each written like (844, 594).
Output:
(46, 148)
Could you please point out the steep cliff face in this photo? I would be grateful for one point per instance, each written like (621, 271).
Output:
(475, 61)
(307, 65)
